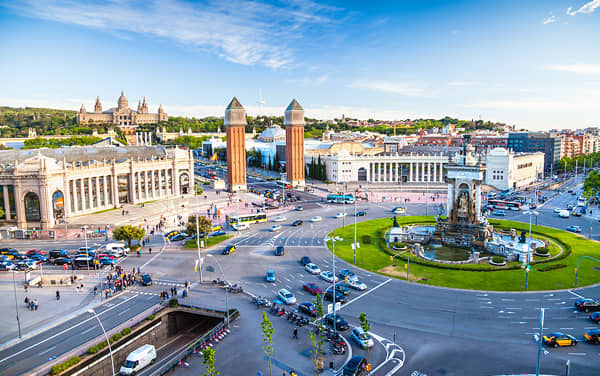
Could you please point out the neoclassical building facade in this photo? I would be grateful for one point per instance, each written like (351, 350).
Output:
(122, 115)
(42, 188)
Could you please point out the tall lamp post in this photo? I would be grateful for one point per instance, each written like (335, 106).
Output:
(531, 214)
(198, 233)
(112, 361)
(537, 366)
(16, 304)
(226, 294)
(333, 240)
(87, 254)
(355, 245)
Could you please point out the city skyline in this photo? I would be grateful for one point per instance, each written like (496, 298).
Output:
(525, 64)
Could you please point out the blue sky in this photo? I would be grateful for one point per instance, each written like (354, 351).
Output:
(535, 64)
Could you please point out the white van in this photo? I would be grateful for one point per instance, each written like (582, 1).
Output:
(563, 214)
(116, 249)
(138, 359)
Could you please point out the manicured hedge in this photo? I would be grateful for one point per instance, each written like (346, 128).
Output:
(547, 268)
(126, 331)
(58, 368)
(497, 259)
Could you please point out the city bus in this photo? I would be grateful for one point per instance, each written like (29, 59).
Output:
(247, 218)
(507, 205)
(282, 184)
(340, 198)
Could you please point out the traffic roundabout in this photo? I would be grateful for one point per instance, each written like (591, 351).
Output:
(553, 268)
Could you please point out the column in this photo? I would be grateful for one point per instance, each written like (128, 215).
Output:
(410, 172)
(429, 172)
(97, 191)
(6, 202)
(21, 221)
(115, 189)
(138, 186)
(104, 183)
(441, 177)
(449, 200)
(82, 196)
(477, 201)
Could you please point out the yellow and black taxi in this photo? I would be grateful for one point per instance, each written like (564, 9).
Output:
(229, 249)
(592, 336)
(587, 305)
(557, 339)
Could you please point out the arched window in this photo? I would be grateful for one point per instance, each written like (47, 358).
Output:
(184, 183)
(32, 207)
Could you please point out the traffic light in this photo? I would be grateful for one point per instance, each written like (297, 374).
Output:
(368, 367)
(392, 258)
(346, 279)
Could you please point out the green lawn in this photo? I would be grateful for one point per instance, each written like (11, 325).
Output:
(212, 240)
(372, 256)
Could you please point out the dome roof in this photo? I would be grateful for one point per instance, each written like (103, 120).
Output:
(122, 102)
(498, 151)
(273, 132)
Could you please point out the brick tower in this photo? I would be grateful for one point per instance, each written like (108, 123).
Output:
(294, 144)
(235, 123)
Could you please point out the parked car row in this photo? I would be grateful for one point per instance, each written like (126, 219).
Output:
(559, 339)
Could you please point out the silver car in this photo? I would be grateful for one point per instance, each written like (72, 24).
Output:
(363, 339)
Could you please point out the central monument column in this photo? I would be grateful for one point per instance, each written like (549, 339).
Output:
(235, 123)
(294, 144)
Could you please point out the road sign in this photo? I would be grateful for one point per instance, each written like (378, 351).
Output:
(329, 308)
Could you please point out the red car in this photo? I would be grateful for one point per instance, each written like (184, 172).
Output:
(35, 252)
(312, 288)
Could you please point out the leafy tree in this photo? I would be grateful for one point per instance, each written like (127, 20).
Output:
(208, 359)
(204, 225)
(591, 185)
(267, 333)
(317, 339)
(366, 326)
(129, 233)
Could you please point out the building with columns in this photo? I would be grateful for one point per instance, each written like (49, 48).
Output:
(44, 187)
(294, 144)
(401, 167)
(235, 123)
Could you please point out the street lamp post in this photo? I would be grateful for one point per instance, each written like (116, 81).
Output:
(112, 361)
(226, 294)
(333, 240)
(355, 243)
(537, 366)
(198, 234)
(531, 213)
(87, 254)
(16, 304)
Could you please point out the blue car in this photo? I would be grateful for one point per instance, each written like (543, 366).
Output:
(107, 261)
(217, 233)
(270, 277)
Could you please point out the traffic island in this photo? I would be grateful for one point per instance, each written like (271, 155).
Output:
(553, 272)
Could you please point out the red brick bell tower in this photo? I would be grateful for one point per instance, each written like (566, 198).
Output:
(235, 123)
(294, 144)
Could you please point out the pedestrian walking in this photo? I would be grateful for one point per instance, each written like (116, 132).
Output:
(27, 301)
(35, 304)
(57, 295)
(296, 333)
(31, 305)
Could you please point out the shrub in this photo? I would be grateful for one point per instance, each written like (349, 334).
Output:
(58, 368)
(542, 250)
(126, 331)
(150, 318)
(173, 302)
(92, 350)
(366, 239)
(547, 268)
(497, 259)
(116, 337)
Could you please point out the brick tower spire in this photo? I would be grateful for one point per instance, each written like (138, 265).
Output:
(294, 144)
(235, 124)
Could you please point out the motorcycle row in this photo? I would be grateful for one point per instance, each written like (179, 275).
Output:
(230, 288)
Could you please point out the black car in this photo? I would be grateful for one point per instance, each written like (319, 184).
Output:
(592, 336)
(340, 323)
(229, 249)
(62, 261)
(339, 297)
(56, 253)
(308, 308)
(361, 213)
(342, 288)
(297, 223)
(356, 366)
(279, 251)
(21, 266)
(305, 260)
(587, 305)
(178, 237)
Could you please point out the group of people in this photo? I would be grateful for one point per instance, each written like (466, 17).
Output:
(32, 304)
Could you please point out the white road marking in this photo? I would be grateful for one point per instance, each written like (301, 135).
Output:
(48, 350)
(512, 309)
(368, 292)
(582, 354)
(565, 328)
(576, 294)
(507, 300)
(88, 330)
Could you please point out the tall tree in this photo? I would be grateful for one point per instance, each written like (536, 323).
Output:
(267, 333)
(204, 225)
(208, 359)
(591, 185)
(317, 338)
(129, 233)
(366, 327)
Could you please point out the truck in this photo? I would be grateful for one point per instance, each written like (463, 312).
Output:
(116, 249)
(138, 359)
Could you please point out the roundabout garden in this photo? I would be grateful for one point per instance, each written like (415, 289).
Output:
(553, 267)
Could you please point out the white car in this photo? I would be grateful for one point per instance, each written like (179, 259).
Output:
(557, 210)
(240, 226)
(275, 228)
(340, 215)
(316, 219)
(356, 284)
(328, 276)
(286, 296)
(312, 268)
(279, 218)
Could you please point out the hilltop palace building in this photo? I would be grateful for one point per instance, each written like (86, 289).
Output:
(121, 115)
(42, 188)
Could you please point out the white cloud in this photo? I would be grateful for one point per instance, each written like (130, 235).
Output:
(577, 68)
(309, 81)
(586, 8)
(389, 87)
(549, 20)
(537, 104)
(242, 32)
(460, 83)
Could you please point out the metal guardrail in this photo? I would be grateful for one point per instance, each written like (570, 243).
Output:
(195, 344)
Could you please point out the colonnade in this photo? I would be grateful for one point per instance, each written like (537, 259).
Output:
(432, 172)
